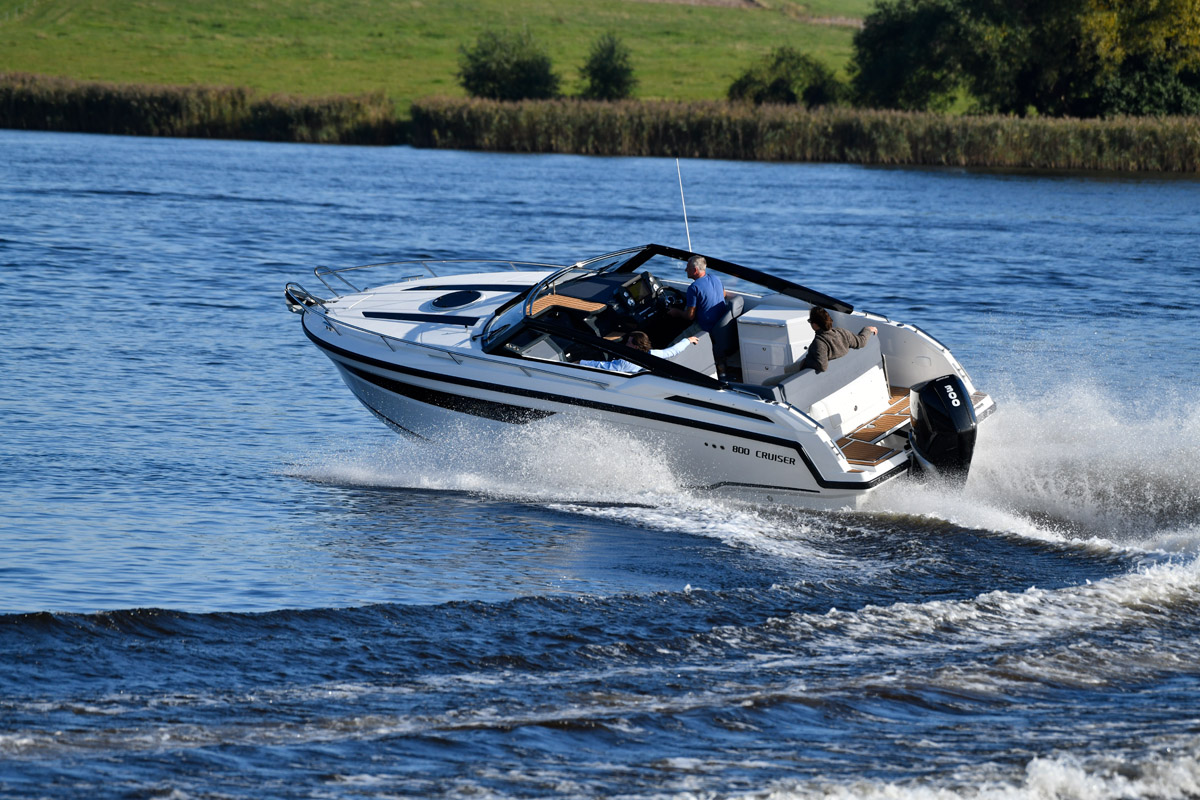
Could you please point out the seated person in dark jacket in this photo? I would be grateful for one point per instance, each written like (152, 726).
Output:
(830, 342)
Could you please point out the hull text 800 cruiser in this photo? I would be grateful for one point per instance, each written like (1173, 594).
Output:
(501, 347)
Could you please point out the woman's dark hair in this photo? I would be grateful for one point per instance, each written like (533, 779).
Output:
(638, 341)
(821, 317)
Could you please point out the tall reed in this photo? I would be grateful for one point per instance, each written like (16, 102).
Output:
(38, 102)
(787, 133)
(713, 129)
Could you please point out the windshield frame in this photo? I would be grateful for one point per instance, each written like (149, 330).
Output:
(521, 307)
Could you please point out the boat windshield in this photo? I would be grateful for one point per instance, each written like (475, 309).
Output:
(509, 316)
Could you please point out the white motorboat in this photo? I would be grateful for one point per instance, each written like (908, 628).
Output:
(500, 346)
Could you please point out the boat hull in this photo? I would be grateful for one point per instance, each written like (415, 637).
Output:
(705, 458)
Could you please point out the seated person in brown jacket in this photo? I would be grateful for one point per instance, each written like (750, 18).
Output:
(830, 342)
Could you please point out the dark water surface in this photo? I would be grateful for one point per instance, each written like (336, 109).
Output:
(220, 577)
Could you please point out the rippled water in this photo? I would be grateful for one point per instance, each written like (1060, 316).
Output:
(221, 577)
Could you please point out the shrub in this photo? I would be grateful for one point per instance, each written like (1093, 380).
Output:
(503, 65)
(787, 76)
(608, 72)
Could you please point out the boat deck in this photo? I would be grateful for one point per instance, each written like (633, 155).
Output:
(861, 446)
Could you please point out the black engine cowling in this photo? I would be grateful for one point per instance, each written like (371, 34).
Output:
(943, 429)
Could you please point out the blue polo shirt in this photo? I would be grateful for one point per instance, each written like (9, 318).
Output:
(708, 296)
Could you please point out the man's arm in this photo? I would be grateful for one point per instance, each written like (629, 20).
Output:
(688, 313)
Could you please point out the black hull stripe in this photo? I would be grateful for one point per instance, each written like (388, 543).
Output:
(502, 412)
(723, 409)
(612, 409)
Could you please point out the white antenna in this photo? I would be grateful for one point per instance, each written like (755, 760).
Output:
(682, 200)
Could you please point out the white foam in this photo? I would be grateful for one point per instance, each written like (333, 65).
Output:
(575, 459)
(1074, 464)
(577, 466)
(1011, 620)
(1173, 773)
(784, 536)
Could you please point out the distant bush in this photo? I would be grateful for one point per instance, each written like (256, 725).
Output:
(506, 65)
(608, 72)
(788, 77)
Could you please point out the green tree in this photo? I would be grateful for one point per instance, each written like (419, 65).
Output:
(608, 72)
(503, 65)
(1057, 57)
(787, 76)
(906, 55)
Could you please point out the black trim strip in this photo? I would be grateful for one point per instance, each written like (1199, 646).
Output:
(489, 409)
(723, 409)
(479, 287)
(612, 409)
(443, 319)
(766, 487)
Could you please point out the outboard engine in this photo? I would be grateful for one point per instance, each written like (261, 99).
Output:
(943, 430)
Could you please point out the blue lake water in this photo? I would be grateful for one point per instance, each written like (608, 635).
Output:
(221, 577)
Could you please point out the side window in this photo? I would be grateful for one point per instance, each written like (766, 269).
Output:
(535, 344)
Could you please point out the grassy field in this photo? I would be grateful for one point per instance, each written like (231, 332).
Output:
(404, 48)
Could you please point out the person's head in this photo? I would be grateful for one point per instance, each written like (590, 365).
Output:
(638, 341)
(820, 320)
(696, 267)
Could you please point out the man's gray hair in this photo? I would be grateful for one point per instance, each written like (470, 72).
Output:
(698, 263)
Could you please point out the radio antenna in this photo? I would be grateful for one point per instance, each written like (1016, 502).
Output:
(682, 200)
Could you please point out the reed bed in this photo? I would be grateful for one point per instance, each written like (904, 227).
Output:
(36, 102)
(715, 129)
(785, 133)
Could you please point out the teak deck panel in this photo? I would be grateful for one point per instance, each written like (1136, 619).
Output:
(547, 300)
(860, 445)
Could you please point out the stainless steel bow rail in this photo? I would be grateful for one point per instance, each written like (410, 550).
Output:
(303, 301)
(425, 264)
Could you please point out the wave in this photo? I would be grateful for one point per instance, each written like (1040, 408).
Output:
(1147, 595)
(1172, 772)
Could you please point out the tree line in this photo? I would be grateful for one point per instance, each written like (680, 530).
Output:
(1078, 58)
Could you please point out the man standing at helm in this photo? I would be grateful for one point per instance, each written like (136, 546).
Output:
(705, 302)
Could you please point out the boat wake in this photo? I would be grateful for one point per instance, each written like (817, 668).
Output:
(1077, 469)
(1076, 466)
(576, 460)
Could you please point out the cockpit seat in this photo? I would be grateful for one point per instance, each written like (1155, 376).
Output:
(724, 333)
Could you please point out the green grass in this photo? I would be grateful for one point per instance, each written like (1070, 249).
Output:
(404, 48)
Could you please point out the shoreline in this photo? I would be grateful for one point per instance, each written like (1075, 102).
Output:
(685, 129)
